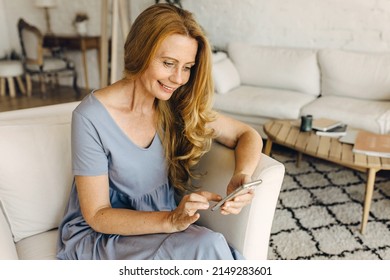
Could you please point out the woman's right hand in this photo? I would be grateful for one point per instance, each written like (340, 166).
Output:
(186, 212)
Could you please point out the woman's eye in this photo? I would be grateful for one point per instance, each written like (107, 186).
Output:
(187, 68)
(169, 64)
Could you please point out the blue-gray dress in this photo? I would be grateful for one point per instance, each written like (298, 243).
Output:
(138, 180)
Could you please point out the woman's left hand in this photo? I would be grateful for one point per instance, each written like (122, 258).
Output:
(235, 205)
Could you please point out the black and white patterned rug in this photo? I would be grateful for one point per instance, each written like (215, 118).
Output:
(320, 209)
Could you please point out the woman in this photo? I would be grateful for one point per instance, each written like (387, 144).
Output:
(134, 144)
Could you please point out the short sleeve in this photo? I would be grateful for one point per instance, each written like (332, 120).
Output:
(88, 154)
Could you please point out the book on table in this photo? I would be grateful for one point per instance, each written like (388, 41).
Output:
(372, 144)
(337, 131)
(350, 137)
(325, 124)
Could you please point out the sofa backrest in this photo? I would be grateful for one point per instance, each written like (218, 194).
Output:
(35, 169)
(281, 68)
(354, 74)
(44, 114)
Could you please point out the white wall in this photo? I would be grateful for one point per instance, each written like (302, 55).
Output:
(347, 24)
(4, 43)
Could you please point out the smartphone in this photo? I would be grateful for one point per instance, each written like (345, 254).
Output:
(235, 192)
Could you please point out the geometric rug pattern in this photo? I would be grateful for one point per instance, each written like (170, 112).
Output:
(319, 212)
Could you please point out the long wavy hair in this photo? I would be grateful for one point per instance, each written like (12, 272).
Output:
(181, 121)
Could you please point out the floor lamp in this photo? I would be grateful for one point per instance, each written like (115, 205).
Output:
(46, 5)
(119, 13)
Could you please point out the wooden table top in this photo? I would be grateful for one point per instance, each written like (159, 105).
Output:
(285, 133)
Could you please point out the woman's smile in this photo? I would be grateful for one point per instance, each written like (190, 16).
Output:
(166, 88)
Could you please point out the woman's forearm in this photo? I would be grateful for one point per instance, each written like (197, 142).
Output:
(247, 152)
(130, 222)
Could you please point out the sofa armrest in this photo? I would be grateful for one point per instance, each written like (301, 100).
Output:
(248, 232)
(7, 245)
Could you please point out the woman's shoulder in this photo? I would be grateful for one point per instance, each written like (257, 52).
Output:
(95, 100)
(88, 103)
(110, 96)
(95, 105)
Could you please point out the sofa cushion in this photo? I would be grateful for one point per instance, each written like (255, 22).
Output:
(279, 68)
(225, 76)
(356, 75)
(218, 56)
(384, 121)
(262, 102)
(364, 114)
(35, 172)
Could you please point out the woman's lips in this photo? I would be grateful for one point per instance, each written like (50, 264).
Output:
(170, 89)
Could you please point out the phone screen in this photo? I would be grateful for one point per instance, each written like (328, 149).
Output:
(235, 192)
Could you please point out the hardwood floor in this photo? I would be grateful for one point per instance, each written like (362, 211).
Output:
(55, 95)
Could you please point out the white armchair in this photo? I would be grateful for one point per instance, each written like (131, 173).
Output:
(36, 177)
(248, 232)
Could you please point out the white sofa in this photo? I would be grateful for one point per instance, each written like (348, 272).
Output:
(256, 83)
(35, 180)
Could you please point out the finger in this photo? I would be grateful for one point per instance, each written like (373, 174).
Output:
(235, 206)
(227, 210)
(246, 197)
(192, 219)
(210, 196)
(191, 207)
(197, 197)
(230, 210)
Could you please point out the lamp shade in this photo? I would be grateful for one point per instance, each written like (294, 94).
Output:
(46, 3)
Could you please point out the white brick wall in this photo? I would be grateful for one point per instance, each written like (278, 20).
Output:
(347, 24)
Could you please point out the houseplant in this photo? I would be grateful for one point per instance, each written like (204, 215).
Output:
(80, 23)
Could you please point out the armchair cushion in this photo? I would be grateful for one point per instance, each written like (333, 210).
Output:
(7, 251)
(35, 176)
(42, 246)
(49, 64)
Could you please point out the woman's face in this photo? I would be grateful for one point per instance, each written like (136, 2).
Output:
(171, 66)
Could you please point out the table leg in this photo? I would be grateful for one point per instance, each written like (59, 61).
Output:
(371, 173)
(299, 159)
(28, 85)
(268, 147)
(84, 53)
(99, 59)
(2, 86)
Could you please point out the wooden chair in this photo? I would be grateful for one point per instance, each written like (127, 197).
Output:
(37, 62)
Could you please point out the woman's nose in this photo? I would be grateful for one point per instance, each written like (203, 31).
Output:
(177, 77)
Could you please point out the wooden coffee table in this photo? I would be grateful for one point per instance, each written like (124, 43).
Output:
(285, 133)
